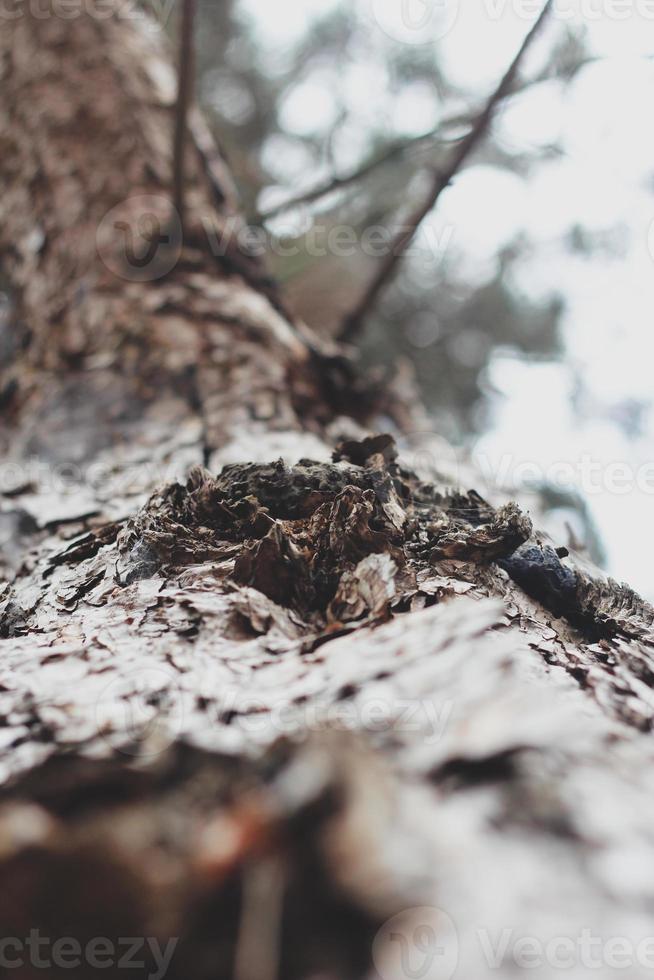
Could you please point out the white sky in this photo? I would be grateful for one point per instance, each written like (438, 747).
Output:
(604, 182)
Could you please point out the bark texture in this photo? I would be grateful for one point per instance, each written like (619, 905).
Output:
(262, 686)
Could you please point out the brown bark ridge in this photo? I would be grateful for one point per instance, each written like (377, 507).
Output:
(262, 687)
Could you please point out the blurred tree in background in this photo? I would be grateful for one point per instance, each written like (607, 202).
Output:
(331, 100)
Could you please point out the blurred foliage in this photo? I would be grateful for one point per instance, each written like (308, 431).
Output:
(450, 332)
(327, 103)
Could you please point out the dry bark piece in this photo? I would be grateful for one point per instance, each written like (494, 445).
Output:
(303, 528)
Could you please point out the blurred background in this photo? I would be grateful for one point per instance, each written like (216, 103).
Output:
(525, 307)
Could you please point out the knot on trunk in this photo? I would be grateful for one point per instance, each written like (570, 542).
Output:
(301, 563)
(310, 537)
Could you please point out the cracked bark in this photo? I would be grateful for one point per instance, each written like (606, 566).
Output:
(252, 668)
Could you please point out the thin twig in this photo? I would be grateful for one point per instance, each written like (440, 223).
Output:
(353, 322)
(184, 97)
(337, 183)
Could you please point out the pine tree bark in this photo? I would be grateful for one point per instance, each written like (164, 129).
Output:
(263, 687)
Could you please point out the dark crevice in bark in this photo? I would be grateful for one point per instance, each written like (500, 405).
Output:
(298, 534)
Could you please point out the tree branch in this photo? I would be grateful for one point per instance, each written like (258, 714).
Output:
(184, 97)
(337, 183)
(353, 322)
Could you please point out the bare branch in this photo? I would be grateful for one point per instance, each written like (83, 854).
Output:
(337, 183)
(397, 150)
(184, 98)
(353, 322)
(393, 152)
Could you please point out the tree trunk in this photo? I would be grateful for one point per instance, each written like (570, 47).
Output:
(263, 687)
